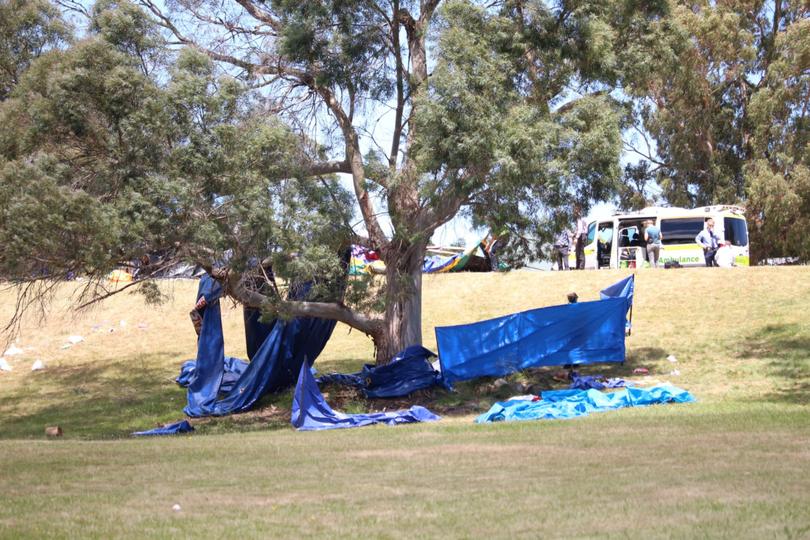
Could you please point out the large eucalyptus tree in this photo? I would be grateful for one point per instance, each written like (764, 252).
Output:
(500, 111)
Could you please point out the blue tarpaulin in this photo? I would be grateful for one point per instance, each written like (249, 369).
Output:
(214, 390)
(621, 289)
(172, 429)
(562, 404)
(410, 370)
(597, 382)
(234, 367)
(310, 412)
(581, 333)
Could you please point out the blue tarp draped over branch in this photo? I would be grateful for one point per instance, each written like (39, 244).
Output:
(310, 412)
(563, 404)
(581, 333)
(218, 387)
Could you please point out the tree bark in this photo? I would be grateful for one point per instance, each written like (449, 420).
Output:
(402, 324)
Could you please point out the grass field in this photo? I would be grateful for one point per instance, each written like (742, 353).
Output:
(735, 464)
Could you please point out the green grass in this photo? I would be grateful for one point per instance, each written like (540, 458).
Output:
(732, 465)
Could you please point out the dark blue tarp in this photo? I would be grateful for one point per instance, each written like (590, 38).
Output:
(597, 382)
(234, 367)
(255, 331)
(310, 412)
(581, 333)
(172, 429)
(410, 370)
(563, 404)
(274, 366)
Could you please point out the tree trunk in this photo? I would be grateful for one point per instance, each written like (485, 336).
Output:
(402, 325)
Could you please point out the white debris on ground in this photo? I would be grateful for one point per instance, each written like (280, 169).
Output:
(13, 350)
(122, 323)
(75, 340)
(672, 358)
(4, 365)
(38, 365)
(176, 507)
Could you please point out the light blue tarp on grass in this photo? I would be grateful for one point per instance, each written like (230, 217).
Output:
(581, 333)
(310, 412)
(562, 404)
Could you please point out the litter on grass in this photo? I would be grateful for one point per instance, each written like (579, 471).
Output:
(13, 350)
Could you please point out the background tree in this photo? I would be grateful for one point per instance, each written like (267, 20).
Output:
(722, 90)
(28, 28)
(113, 149)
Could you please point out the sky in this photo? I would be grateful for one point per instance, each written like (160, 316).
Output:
(459, 227)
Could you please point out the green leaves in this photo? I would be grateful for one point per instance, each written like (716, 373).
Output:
(103, 161)
(28, 29)
(498, 128)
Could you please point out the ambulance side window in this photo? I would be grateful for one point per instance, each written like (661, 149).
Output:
(591, 233)
(680, 231)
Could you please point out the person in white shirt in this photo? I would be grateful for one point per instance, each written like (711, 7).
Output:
(709, 241)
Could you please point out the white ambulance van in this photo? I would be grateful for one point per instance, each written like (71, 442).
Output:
(618, 241)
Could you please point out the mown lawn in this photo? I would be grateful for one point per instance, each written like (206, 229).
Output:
(735, 464)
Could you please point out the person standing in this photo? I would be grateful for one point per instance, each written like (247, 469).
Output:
(496, 244)
(653, 238)
(562, 247)
(709, 241)
(580, 232)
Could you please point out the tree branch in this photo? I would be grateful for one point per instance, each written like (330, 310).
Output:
(254, 11)
(397, 135)
(329, 167)
(325, 310)
(368, 325)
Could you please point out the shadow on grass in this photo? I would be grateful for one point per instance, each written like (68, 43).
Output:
(111, 398)
(104, 399)
(785, 349)
(475, 397)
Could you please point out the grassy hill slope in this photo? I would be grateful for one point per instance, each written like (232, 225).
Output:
(732, 465)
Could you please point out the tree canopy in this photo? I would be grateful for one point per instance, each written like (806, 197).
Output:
(723, 89)
(213, 132)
